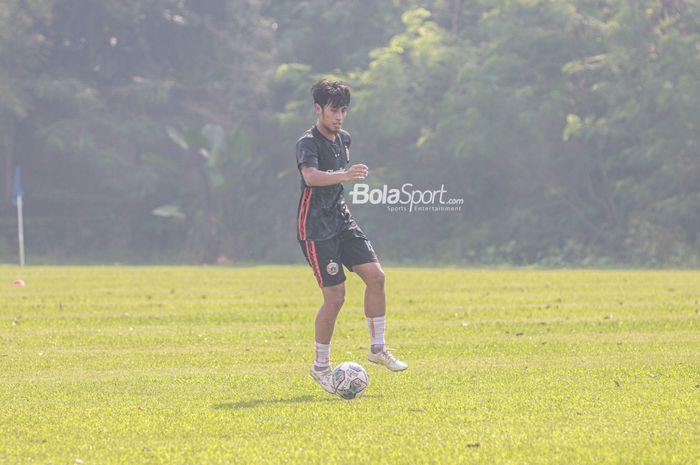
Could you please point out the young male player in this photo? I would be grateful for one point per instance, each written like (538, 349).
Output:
(328, 234)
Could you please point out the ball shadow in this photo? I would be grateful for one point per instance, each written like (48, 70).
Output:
(294, 400)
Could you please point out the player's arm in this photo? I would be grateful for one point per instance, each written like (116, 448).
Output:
(313, 177)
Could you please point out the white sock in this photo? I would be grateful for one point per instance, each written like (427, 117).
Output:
(322, 356)
(376, 330)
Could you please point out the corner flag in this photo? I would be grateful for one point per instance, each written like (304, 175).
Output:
(17, 191)
(17, 194)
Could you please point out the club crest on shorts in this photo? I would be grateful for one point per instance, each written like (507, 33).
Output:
(332, 268)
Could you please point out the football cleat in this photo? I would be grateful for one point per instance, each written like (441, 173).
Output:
(385, 358)
(324, 378)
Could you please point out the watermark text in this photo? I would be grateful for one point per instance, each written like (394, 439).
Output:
(406, 198)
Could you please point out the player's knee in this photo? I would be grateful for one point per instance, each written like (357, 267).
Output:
(376, 279)
(335, 302)
(335, 299)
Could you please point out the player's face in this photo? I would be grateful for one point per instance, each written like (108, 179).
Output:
(331, 118)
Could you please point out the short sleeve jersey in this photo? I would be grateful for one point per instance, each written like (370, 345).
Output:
(322, 212)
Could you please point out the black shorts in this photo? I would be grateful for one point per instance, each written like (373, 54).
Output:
(351, 247)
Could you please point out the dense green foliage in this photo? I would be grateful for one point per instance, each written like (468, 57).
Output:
(164, 129)
(209, 365)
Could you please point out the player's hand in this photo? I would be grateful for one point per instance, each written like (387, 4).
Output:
(356, 172)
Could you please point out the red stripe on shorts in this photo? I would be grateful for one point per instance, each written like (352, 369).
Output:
(318, 269)
(311, 254)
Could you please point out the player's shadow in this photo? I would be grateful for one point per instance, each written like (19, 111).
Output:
(257, 402)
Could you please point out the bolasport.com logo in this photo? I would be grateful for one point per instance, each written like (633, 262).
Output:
(406, 198)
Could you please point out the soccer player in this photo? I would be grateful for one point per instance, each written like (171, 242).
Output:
(328, 234)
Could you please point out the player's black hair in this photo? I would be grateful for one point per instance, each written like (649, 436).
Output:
(336, 93)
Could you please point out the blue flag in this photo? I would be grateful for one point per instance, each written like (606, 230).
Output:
(17, 187)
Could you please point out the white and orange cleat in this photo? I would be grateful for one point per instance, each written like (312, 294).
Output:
(384, 357)
(324, 378)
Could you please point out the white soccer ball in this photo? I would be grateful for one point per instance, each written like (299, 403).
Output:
(350, 380)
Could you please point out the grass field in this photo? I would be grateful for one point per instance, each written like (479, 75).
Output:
(187, 365)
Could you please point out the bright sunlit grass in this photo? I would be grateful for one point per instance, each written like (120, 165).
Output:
(175, 365)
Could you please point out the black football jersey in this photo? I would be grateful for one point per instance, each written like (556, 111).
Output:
(322, 212)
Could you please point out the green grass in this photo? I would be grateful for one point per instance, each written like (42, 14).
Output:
(168, 365)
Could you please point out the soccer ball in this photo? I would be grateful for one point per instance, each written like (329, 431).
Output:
(350, 380)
